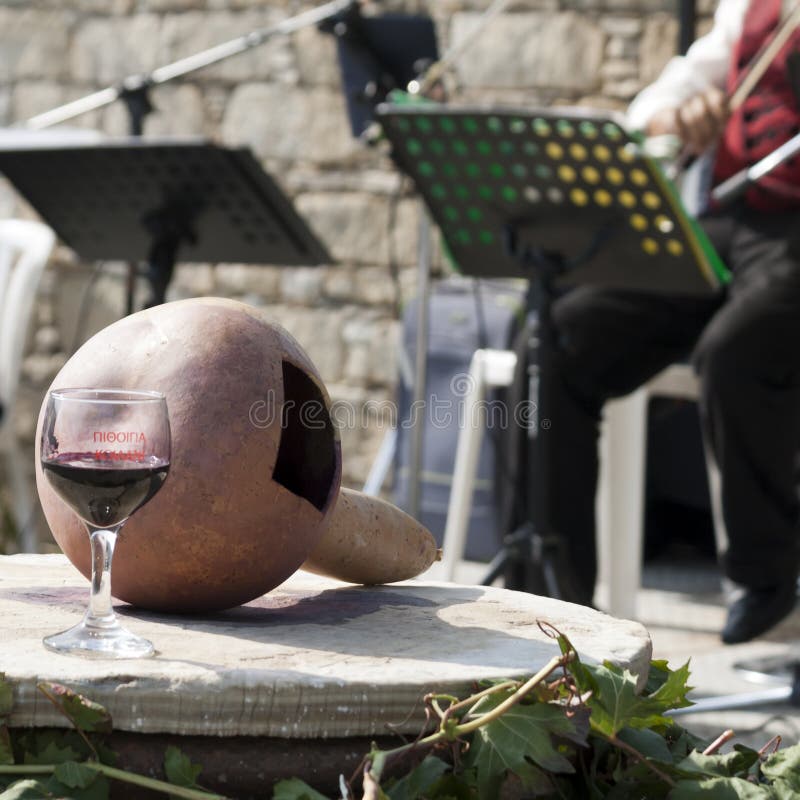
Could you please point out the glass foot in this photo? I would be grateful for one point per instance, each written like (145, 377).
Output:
(112, 641)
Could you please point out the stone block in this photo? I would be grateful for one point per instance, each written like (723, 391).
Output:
(355, 227)
(179, 110)
(105, 50)
(233, 279)
(183, 35)
(316, 59)
(193, 280)
(29, 98)
(405, 232)
(658, 45)
(33, 45)
(302, 285)
(313, 659)
(340, 283)
(281, 122)
(319, 332)
(560, 51)
(375, 287)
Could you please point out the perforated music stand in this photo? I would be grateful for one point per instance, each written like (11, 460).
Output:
(559, 197)
(161, 201)
(563, 181)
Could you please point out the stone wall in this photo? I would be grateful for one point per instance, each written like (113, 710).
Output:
(283, 99)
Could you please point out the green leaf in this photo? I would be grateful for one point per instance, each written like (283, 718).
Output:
(639, 789)
(720, 789)
(657, 675)
(727, 765)
(451, 787)
(25, 790)
(649, 743)
(419, 780)
(784, 765)
(85, 714)
(98, 789)
(75, 775)
(6, 696)
(51, 753)
(681, 742)
(673, 688)
(295, 789)
(616, 705)
(179, 768)
(511, 742)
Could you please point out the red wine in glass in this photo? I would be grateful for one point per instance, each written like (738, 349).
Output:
(105, 493)
(105, 452)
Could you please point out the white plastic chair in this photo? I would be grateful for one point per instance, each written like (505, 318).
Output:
(621, 486)
(620, 496)
(25, 247)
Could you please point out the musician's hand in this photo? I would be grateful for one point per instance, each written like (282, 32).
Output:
(698, 122)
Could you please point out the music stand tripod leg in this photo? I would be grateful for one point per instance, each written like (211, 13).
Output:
(532, 556)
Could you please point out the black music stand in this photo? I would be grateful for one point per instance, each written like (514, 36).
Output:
(377, 55)
(161, 201)
(559, 197)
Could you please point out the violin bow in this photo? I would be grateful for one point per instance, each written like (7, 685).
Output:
(761, 61)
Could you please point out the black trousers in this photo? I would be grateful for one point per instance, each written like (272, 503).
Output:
(744, 344)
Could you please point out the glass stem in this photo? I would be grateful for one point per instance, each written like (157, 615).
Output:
(100, 614)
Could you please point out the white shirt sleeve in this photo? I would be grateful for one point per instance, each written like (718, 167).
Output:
(705, 64)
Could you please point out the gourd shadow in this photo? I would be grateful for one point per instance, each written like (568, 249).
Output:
(420, 622)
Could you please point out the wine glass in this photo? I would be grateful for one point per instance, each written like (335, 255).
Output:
(105, 452)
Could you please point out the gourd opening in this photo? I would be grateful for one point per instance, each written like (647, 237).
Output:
(306, 463)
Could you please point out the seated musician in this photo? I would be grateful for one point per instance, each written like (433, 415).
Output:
(744, 341)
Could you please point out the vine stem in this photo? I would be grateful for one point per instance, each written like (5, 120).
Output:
(632, 751)
(117, 774)
(510, 702)
(449, 732)
(718, 742)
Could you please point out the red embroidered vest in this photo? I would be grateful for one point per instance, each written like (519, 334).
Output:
(767, 118)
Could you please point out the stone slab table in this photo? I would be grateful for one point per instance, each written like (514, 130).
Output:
(313, 661)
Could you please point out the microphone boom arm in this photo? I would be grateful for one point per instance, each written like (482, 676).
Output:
(139, 83)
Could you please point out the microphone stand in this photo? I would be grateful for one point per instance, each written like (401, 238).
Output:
(134, 91)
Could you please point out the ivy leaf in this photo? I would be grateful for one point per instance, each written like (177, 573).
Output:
(785, 766)
(649, 743)
(52, 753)
(637, 789)
(294, 789)
(512, 741)
(6, 696)
(726, 765)
(26, 790)
(75, 775)
(657, 675)
(673, 688)
(451, 787)
(681, 742)
(419, 780)
(98, 789)
(85, 714)
(179, 768)
(616, 705)
(718, 789)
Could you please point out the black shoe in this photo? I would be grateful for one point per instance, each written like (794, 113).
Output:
(758, 610)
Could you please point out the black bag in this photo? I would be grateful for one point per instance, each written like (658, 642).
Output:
(465, 315)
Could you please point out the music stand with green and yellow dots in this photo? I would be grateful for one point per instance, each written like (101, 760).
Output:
(560, 197)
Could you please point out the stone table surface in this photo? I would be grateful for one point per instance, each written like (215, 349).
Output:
(312, 658)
